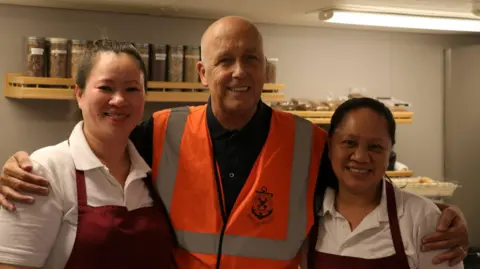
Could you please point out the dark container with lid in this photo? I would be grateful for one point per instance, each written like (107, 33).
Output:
(144, 50)
(159, 62)
(175, 63)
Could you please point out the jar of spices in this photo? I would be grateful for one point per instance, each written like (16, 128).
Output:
(159, 63)
(271, 70)
(35, 58)
(175, 63)
(58, 57)
(192, 56)
(144, 50)
(79, 47)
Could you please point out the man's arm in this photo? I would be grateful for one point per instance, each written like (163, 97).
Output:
(16, 174)
(16, 177)
(452, 234)
(28, 236)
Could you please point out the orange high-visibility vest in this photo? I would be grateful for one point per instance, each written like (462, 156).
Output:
(273, 213)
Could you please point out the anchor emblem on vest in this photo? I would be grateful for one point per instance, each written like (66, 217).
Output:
(262, 204)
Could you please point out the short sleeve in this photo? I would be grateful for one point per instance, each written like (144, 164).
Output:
(28, 235)
(427, 227)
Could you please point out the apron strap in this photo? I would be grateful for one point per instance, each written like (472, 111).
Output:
(312, 243)
(393, 219)
(81, 188)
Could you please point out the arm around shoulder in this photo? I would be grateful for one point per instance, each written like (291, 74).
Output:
(27, 235)
(427, 226)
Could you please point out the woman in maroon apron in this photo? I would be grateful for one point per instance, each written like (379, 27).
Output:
(361, 137)
(113, 237)
(110, 90)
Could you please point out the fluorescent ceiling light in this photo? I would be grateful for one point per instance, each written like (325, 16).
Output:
(400, 21)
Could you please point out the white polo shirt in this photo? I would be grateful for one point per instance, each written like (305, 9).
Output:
(42, 234)
(372, 239)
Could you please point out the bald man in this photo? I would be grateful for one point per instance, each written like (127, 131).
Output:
(238, 179)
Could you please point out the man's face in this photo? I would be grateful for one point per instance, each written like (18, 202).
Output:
(233, 67)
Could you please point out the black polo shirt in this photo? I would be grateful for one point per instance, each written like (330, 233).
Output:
(236, 151)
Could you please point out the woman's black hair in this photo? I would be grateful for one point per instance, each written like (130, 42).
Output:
(326, 170)
(107, 45)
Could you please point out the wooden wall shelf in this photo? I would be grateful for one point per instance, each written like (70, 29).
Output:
(22, 87)
(400, 173)
(323, 117)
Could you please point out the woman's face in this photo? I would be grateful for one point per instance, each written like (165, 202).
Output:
(112, 102)
(360, 150)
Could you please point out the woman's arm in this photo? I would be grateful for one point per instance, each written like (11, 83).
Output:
(27, 235)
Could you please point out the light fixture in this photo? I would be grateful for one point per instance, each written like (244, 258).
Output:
(399, 20)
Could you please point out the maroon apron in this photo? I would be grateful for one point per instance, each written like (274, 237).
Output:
(113, 237)
(320, 260)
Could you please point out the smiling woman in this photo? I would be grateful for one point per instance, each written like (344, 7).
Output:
(91, 56)
(365, 221)
(362, 135)
(95, 177)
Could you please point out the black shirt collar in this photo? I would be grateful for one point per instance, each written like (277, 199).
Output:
(260, 120)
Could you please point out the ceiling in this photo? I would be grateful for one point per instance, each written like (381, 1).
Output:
(286, 12)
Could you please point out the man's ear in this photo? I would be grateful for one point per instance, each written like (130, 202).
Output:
(202, 73)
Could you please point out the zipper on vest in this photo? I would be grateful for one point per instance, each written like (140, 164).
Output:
(220, 243)
(223, 211)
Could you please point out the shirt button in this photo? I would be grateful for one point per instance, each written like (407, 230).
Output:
(231, 175)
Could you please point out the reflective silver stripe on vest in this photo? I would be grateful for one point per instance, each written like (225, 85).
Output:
(243, 246)
(167, 170)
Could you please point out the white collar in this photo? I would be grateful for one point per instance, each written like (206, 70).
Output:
(382, 211)
(85, 159)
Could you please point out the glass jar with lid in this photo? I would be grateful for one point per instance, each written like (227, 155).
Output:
(79, 47)
(35, 57)
(58, 57)
(192, 56)
(271, 70)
